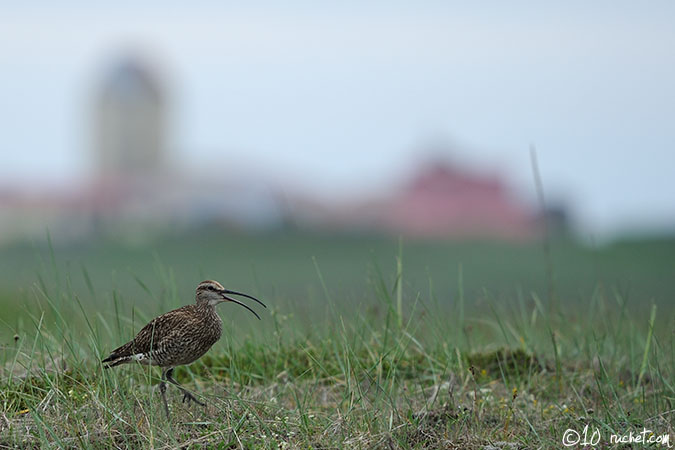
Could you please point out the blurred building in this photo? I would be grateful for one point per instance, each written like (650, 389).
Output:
(443, 200)
(134, 191)
(440, 200)
(130, 120)
(135, 187)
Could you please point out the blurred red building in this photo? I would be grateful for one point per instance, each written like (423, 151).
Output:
(443, 200)
(440, 200)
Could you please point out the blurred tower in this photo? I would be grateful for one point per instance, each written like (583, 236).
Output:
(129, 138)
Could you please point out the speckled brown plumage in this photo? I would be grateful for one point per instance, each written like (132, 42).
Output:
(179, 337)
(175, 338)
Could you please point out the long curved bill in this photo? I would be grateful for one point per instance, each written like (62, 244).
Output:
(230, 299)
(227, 291)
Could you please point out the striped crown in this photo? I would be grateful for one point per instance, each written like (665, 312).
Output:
(209, 285)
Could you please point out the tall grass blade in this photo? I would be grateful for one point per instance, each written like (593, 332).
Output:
(645, 355)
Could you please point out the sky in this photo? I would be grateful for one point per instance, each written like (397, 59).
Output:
(343, 99)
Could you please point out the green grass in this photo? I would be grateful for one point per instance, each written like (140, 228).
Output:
(452, 345)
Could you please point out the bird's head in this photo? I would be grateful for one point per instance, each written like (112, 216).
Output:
(211, 293)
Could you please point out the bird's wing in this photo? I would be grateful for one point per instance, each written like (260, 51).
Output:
(152, 336)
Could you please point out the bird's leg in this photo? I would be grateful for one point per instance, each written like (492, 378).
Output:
(162, 390)
(187, 395)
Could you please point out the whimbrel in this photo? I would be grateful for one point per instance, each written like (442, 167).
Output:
(179, 337)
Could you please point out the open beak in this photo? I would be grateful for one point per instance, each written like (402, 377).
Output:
(230, 299)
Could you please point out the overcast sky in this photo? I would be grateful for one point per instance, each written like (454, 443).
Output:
(345, 98)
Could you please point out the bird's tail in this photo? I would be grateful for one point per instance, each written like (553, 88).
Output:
(119, 356)
(115, 360)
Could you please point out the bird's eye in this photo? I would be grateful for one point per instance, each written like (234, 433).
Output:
(210, 288)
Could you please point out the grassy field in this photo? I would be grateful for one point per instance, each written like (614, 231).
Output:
(367, 343)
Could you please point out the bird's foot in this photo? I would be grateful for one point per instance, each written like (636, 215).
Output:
(162, 390)
(188, 397)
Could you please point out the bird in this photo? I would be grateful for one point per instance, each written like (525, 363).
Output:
(179, 337)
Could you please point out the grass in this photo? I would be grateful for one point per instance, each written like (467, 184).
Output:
(404, 357)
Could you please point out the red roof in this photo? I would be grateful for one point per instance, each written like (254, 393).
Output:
(445, 201)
